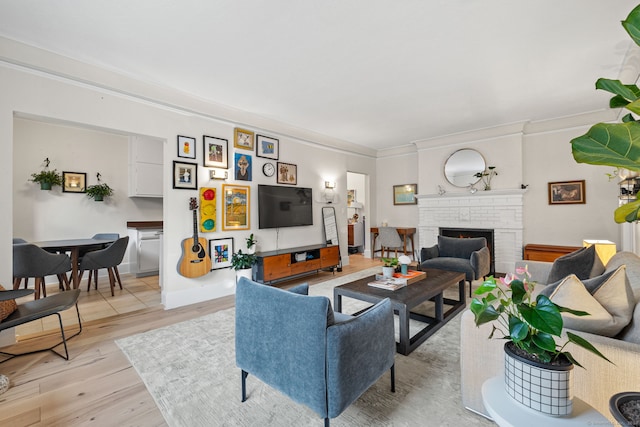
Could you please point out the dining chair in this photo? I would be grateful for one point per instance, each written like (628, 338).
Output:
(390, 240)
(19, 241)
(109, 258)
(94, 273)
(30, 260)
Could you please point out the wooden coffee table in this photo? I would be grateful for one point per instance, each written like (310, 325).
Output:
(408, 297)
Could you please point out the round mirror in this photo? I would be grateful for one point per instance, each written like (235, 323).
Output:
(462, 166)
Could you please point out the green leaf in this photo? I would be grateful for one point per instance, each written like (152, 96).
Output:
(518, 330)
(618, 102)
(489, 314)
(634, 106)
(628, 118)
(616, 87)
(577, 340)
(518, 292)
(609, 144)
(544, 316)
(485, 287)
(572, 311)
(544, 341)
(632, 24)
(572, 359)
(629, 212)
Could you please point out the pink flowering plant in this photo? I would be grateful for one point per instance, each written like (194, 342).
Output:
(530, 325)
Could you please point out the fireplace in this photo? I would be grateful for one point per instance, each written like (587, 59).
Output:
(487, 233)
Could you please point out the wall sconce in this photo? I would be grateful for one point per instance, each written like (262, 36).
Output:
(218, 174)
(328, 193)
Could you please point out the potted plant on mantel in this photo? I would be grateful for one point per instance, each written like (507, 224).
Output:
(529, 328)
(47, 178)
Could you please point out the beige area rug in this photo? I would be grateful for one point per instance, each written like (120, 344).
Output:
(189, 369)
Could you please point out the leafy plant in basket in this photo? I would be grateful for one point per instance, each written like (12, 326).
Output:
(530, 325)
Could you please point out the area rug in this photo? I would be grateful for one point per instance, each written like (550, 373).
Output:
(189, 369)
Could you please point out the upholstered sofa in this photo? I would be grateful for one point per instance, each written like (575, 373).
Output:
(482, 358)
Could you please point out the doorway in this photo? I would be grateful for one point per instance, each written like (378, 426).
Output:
(357, 192)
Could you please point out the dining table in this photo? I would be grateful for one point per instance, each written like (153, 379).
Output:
(73, 246)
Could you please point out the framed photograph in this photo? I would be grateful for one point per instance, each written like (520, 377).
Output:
(243, 139)
(185, 175)
(215, 152)
(186, 147)
(74, 182)
(267, 147)
(235, 215)
(351, 196)
(287, 173)
(242, 167)
(221, 251)
(566, 192)
(405, 194)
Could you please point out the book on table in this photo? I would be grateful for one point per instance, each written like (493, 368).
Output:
(390, 284)
(412, 276)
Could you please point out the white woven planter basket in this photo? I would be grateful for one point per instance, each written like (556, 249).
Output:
(535, 386)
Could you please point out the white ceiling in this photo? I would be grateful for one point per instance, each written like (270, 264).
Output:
(378, 73)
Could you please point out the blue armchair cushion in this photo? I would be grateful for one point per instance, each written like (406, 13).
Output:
(460, 248)
(579, 263)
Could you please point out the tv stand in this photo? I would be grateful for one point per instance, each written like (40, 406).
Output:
(285, 263)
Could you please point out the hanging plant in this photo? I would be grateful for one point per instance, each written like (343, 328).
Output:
(47, 178)
(99, 191)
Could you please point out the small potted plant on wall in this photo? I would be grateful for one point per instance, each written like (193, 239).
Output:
(99, 191)
(47, 178)
(243, 264)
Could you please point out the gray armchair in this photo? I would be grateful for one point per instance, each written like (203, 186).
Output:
(299, 346)
(470, 256)
(109, 258)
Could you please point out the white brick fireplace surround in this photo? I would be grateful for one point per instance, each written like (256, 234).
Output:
(500, 210)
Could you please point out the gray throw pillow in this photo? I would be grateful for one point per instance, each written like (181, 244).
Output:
(579, 263)
(590, 284)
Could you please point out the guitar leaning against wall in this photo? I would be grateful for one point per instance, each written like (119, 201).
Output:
(195, 261)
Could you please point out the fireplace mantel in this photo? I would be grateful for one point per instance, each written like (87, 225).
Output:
(500, 210)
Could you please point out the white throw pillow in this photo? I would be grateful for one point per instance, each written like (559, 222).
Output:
(610, 307)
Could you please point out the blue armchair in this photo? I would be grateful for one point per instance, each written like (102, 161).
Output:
(470, 256)
(296, 344)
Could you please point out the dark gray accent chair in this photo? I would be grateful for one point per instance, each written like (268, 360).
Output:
(109, 258)
(94, 273)
(30, 260)
(470, 256)
(38, 309)
(296, 344)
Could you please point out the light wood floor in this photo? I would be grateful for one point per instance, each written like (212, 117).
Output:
(98, 386)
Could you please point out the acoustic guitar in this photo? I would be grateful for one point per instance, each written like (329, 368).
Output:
(195, 261)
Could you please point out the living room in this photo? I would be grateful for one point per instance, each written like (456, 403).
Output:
(58, 90)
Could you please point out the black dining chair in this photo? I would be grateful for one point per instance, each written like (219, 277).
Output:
(30, 260)
(109, 258)
(94, 273)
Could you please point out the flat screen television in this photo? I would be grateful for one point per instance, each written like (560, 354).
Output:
(280, 206)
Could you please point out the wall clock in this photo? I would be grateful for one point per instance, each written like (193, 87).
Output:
(268, 169)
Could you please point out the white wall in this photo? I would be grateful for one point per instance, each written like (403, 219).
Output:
(48, 215)
(33, 93)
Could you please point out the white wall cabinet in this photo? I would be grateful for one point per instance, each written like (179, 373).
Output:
(145, 167)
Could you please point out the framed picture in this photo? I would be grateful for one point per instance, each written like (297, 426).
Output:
(287, 173)
(267, 147)
(405, 194)
(186, 147)
(243, 139)
(221, 251)
(242, 167)
(235, 215)
(215, 152)
(351, 196)
(185, 175)
(566, 192)
(74, 182)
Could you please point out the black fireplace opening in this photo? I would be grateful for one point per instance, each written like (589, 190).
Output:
(487, 233)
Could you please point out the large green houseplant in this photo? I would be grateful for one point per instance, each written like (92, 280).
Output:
(616, 144)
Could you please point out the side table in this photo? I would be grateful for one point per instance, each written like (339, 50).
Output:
(508, 413)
